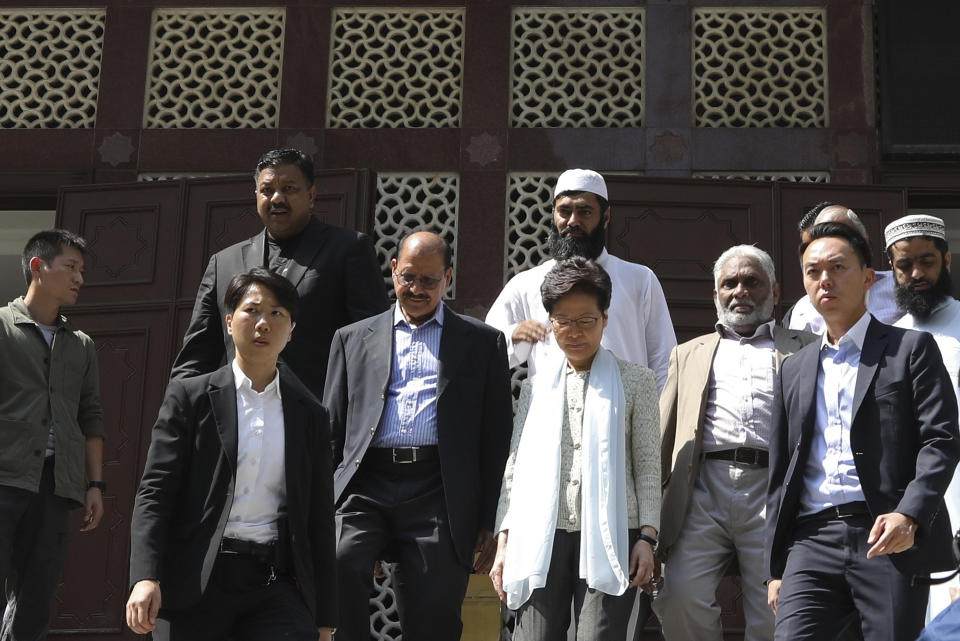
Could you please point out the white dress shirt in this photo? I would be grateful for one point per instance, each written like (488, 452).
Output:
(830, 475)
(260, 489)
(639, 327)
(739, 405)
(881, 303)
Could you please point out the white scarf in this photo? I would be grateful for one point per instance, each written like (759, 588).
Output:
(532, 516)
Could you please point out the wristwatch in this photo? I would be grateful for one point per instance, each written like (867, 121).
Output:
(649, 539)
(98, 484)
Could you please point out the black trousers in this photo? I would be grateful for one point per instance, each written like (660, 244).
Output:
(397, 511)
(828, 578)
(33, 549)
(240, 603)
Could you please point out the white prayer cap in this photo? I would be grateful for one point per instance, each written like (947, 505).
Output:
(915, 225)
(581, 180)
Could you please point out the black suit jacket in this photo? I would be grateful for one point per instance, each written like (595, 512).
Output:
(474, 409)
(187, 489)
(903, 436)
(336, 273)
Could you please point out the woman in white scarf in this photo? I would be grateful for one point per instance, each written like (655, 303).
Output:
(580, 502)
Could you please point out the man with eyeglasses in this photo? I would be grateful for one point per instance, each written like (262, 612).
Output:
(715, 415)
(421, 416)
(639, 329)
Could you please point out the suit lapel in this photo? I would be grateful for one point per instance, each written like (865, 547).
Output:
(295, 444)
(453, 338)
(311, 243)
(254, 250)
(874, 344)
(700, 366)
(786, 342)
(809, 366)
(378, 343)
(223, 400)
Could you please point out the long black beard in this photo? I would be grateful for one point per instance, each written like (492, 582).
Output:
(920, 304)
(567, 246)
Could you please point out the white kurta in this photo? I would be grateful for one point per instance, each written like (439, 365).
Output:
(944, 325)
(881, 303)
(639, 327)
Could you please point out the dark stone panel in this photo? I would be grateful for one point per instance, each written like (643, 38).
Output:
(47, 149)
(126, 51)
(669, 149)
(668, 66)
(850, 64)
(559, 149)
(483, 149)
(393, 149)
(305, 63)
(480, 238)
(116, 148)
(203, 150)
(770, 149)
(486, 65)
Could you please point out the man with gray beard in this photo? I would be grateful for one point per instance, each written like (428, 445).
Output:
(715, 414)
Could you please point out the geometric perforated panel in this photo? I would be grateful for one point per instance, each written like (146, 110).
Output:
(528, 222)
(577, 67)
(786, 176)
(215, 68)
(50, 68)
(759, 67)
(396, 68)
(408, 202)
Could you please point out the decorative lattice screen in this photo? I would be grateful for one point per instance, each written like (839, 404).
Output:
(408, 202)
(396, 68)
(786, 176)
(50, 67)
(215, 68)
(759, 67)
(577, 67)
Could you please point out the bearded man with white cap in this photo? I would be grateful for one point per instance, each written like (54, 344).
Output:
(639, 328)
(917, 249)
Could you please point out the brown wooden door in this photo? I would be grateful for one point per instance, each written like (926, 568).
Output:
(149, 245)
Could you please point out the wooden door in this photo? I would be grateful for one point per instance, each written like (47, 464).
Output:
(149, 245)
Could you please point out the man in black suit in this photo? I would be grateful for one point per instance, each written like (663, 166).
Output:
(864, 443)
(420, 410)
(335, 272)
(234, 515)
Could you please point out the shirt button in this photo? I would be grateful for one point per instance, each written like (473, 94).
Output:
(572, 519)
(258, 432)
(357, 462)
(372, 430)
(574, 482)
(576, 446)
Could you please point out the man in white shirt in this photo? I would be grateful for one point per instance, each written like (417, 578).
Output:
(880, 299)
(234, 515)
(863, 445)
(715, 413)
(918, 251)
(639, 329)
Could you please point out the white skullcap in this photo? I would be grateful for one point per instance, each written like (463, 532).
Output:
(914, 225)
(581, 180)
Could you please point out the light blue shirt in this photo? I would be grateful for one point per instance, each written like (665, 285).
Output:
(830, 476)
(410, 412)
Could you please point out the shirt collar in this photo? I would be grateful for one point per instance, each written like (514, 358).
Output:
(763, 331)
(244, 384)
(603, 257)
(856, 334)
(398, 316)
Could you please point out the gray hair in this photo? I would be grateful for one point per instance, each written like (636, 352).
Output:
(851, 215)
(749, 251)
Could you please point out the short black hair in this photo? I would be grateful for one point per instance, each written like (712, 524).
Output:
(277, 157)
(570, 193)
(839, 230)
(284, 291)
(576, 274)
(807, 221)
(47, 245)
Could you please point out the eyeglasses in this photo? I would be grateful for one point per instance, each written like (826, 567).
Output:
(426, 282)
(584, 323)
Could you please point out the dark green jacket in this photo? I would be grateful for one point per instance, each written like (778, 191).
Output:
(38, 383)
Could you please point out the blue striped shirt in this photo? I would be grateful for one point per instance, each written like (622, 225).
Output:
(410, 411)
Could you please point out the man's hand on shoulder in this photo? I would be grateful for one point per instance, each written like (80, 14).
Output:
(143, 605)
(891, 533)
(530, 331)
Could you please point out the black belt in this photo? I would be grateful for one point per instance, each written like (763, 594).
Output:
(748, 456)
(857, 508)
(401, 455)
(267, 552)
